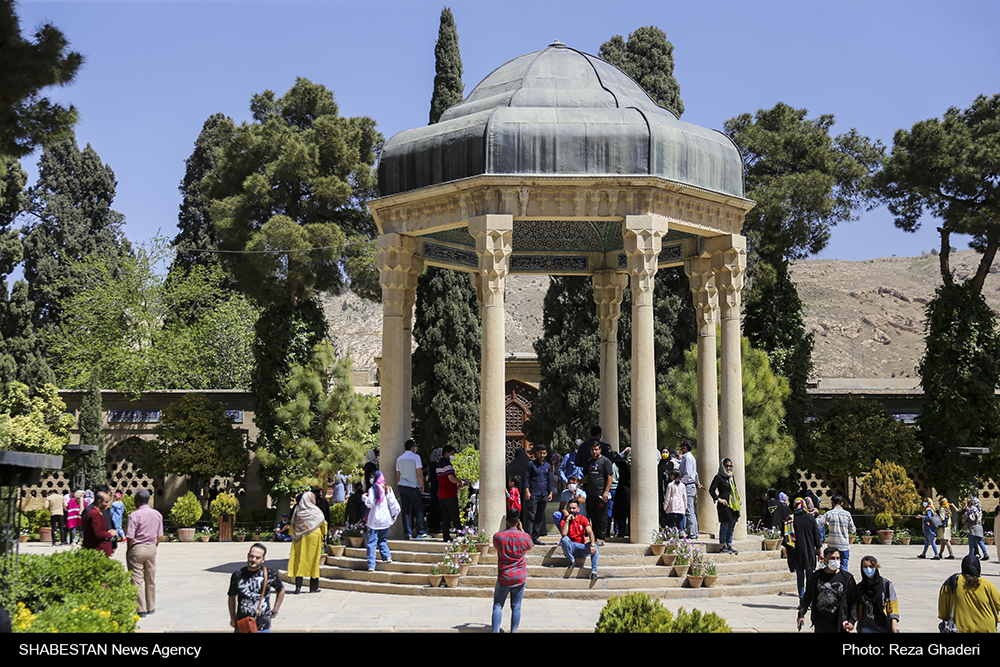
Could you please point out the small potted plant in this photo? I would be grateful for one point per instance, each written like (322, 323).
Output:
(901, 536)
(482, 542)
(656, 541)
(460, 557)
(354, 533)
(452, 575)
(435, 576)
(883, 523)
(239, 533)
(205, 535)
(866, 536)
(335, 544)
(223, 510)
(695, 577)
(989, 537)
(711, 573)
(185, 513)
(683, 560)
(673, 541)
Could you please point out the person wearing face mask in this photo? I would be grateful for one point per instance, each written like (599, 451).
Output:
(832, 594)
(727, 504)
(930, 532)
(572, 492)
(878, 609)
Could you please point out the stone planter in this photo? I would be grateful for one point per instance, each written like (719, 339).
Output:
(668, 559)
(435, 579)
(709, 580)
(451, 580)
(680, 570)
(185, 534)
(335, 550)
(45, 534)
(356, 542)
(694, 581)
(657, 549)
(885, 536)
(771, 545)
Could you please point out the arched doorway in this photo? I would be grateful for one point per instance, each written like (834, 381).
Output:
(518, 401)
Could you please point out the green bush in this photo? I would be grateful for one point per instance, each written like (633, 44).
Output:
(631, 613)
(887, 488)
(338, 514)
(637, 613)
(72, 591)
(186, 511)
(129, 501)
(224, 503)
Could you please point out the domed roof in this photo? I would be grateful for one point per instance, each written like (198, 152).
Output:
(559, 111)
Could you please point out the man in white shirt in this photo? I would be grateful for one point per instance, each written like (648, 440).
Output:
(410, 482)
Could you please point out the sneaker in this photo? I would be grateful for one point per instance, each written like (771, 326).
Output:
(571, 563)
(951, 557)
(734, 551)
(921, 556)
(936, 558)
(593, 576)
(389, 562)
(370, 570)
(986, 556)
(422, 536)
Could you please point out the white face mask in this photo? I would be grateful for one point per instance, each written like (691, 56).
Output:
(571, 487)
(834, 564)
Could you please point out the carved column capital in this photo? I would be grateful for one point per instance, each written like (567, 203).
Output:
(643, 236)
(493, 245)
(608, 286)
(705, 292)
(398, 269)
(729, 261)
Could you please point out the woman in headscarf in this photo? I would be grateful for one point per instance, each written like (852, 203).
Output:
(944, 532)
(878, 606)
(308, 529)
(382, 512)
(972, 602)
(802, 545)
(930, 532)
(974, 527)
(74, 515)
(727, 503)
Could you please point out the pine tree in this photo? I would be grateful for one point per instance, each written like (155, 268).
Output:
(647, 57)
(26, 67)
(91, 433)
(448, 87)
(73, 219)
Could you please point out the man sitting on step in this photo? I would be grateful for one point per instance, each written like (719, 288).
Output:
(574, 529)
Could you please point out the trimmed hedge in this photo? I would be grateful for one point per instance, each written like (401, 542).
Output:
(637, 613)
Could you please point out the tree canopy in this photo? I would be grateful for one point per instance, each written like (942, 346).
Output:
(647, 57)
(950, 167)
(769, 452)
(33, 421)
(288, 192)
(27, 66)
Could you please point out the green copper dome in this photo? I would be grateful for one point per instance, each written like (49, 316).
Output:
(559, 112)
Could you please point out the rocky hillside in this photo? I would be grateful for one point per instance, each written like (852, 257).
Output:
(867, 316)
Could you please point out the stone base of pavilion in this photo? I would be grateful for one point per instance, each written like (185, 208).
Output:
(624, 568)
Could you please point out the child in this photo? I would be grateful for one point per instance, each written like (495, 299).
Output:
(675, 500)
(514, 493)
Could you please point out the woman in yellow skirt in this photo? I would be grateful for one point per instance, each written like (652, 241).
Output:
(308, 529)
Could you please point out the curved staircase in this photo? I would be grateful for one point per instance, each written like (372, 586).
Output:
(624, 568)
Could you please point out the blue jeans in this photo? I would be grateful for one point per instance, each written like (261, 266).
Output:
(801, 575)
(845, 557)
(410, 500)
(377, 538)
(976, 545)
(499, 597)
(726, 534)
(574, 550)
(930, 538)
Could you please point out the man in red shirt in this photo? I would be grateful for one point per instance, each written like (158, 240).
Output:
(95, 531)
(574, 529)
(512, 573)
(448, 485)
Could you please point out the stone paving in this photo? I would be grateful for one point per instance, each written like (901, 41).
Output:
(193, 578)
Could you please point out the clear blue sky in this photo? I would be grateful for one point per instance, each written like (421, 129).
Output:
(155, 70)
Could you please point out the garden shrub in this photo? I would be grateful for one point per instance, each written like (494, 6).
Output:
(186, 511)
(224, 503)
(637, 613)
(72, 591)
(887, 488)
(338, 514)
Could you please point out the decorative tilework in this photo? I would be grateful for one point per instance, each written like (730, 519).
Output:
(449, 255)
(551, 264)
(459, 236)
(671, 253)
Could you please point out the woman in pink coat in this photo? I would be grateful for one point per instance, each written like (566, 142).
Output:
(74, 515)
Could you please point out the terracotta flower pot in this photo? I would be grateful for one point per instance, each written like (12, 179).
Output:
(356, 542)
(657, 549)
(867, 539)
(885, 536)
(45, 534)
(483, 549)
(904, 540)
(240, 538)
(435, 579)
(681, 570)
(451, 580)
(668, 559)
(463, 570)
(475, 558)
(335, 550)
(185, 534)
(205, 538)
(709, 580)
(694, 581)
(771, 545)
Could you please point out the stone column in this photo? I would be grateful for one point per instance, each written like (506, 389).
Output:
(608, 287)
(706, 300)
(493, 245)
(398, 268)
(729, 262)
(643, 235)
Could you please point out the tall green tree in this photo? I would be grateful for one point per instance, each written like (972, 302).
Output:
(804, 181)
(948, 167)
(288, 193)
(448, 87)
(196, 232)
(851, 435)
(71, 219)
(769, 452)
(647, 57)
(195, 437)
(325, 422)
(447, 329)
(94, 464)
(33, 420)
(27, 66)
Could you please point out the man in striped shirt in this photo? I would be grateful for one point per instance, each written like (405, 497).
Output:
(512, 572)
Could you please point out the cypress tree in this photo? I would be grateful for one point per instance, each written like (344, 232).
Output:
(647, 57)
(93, 463)
(447, 330)
(448, 86)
